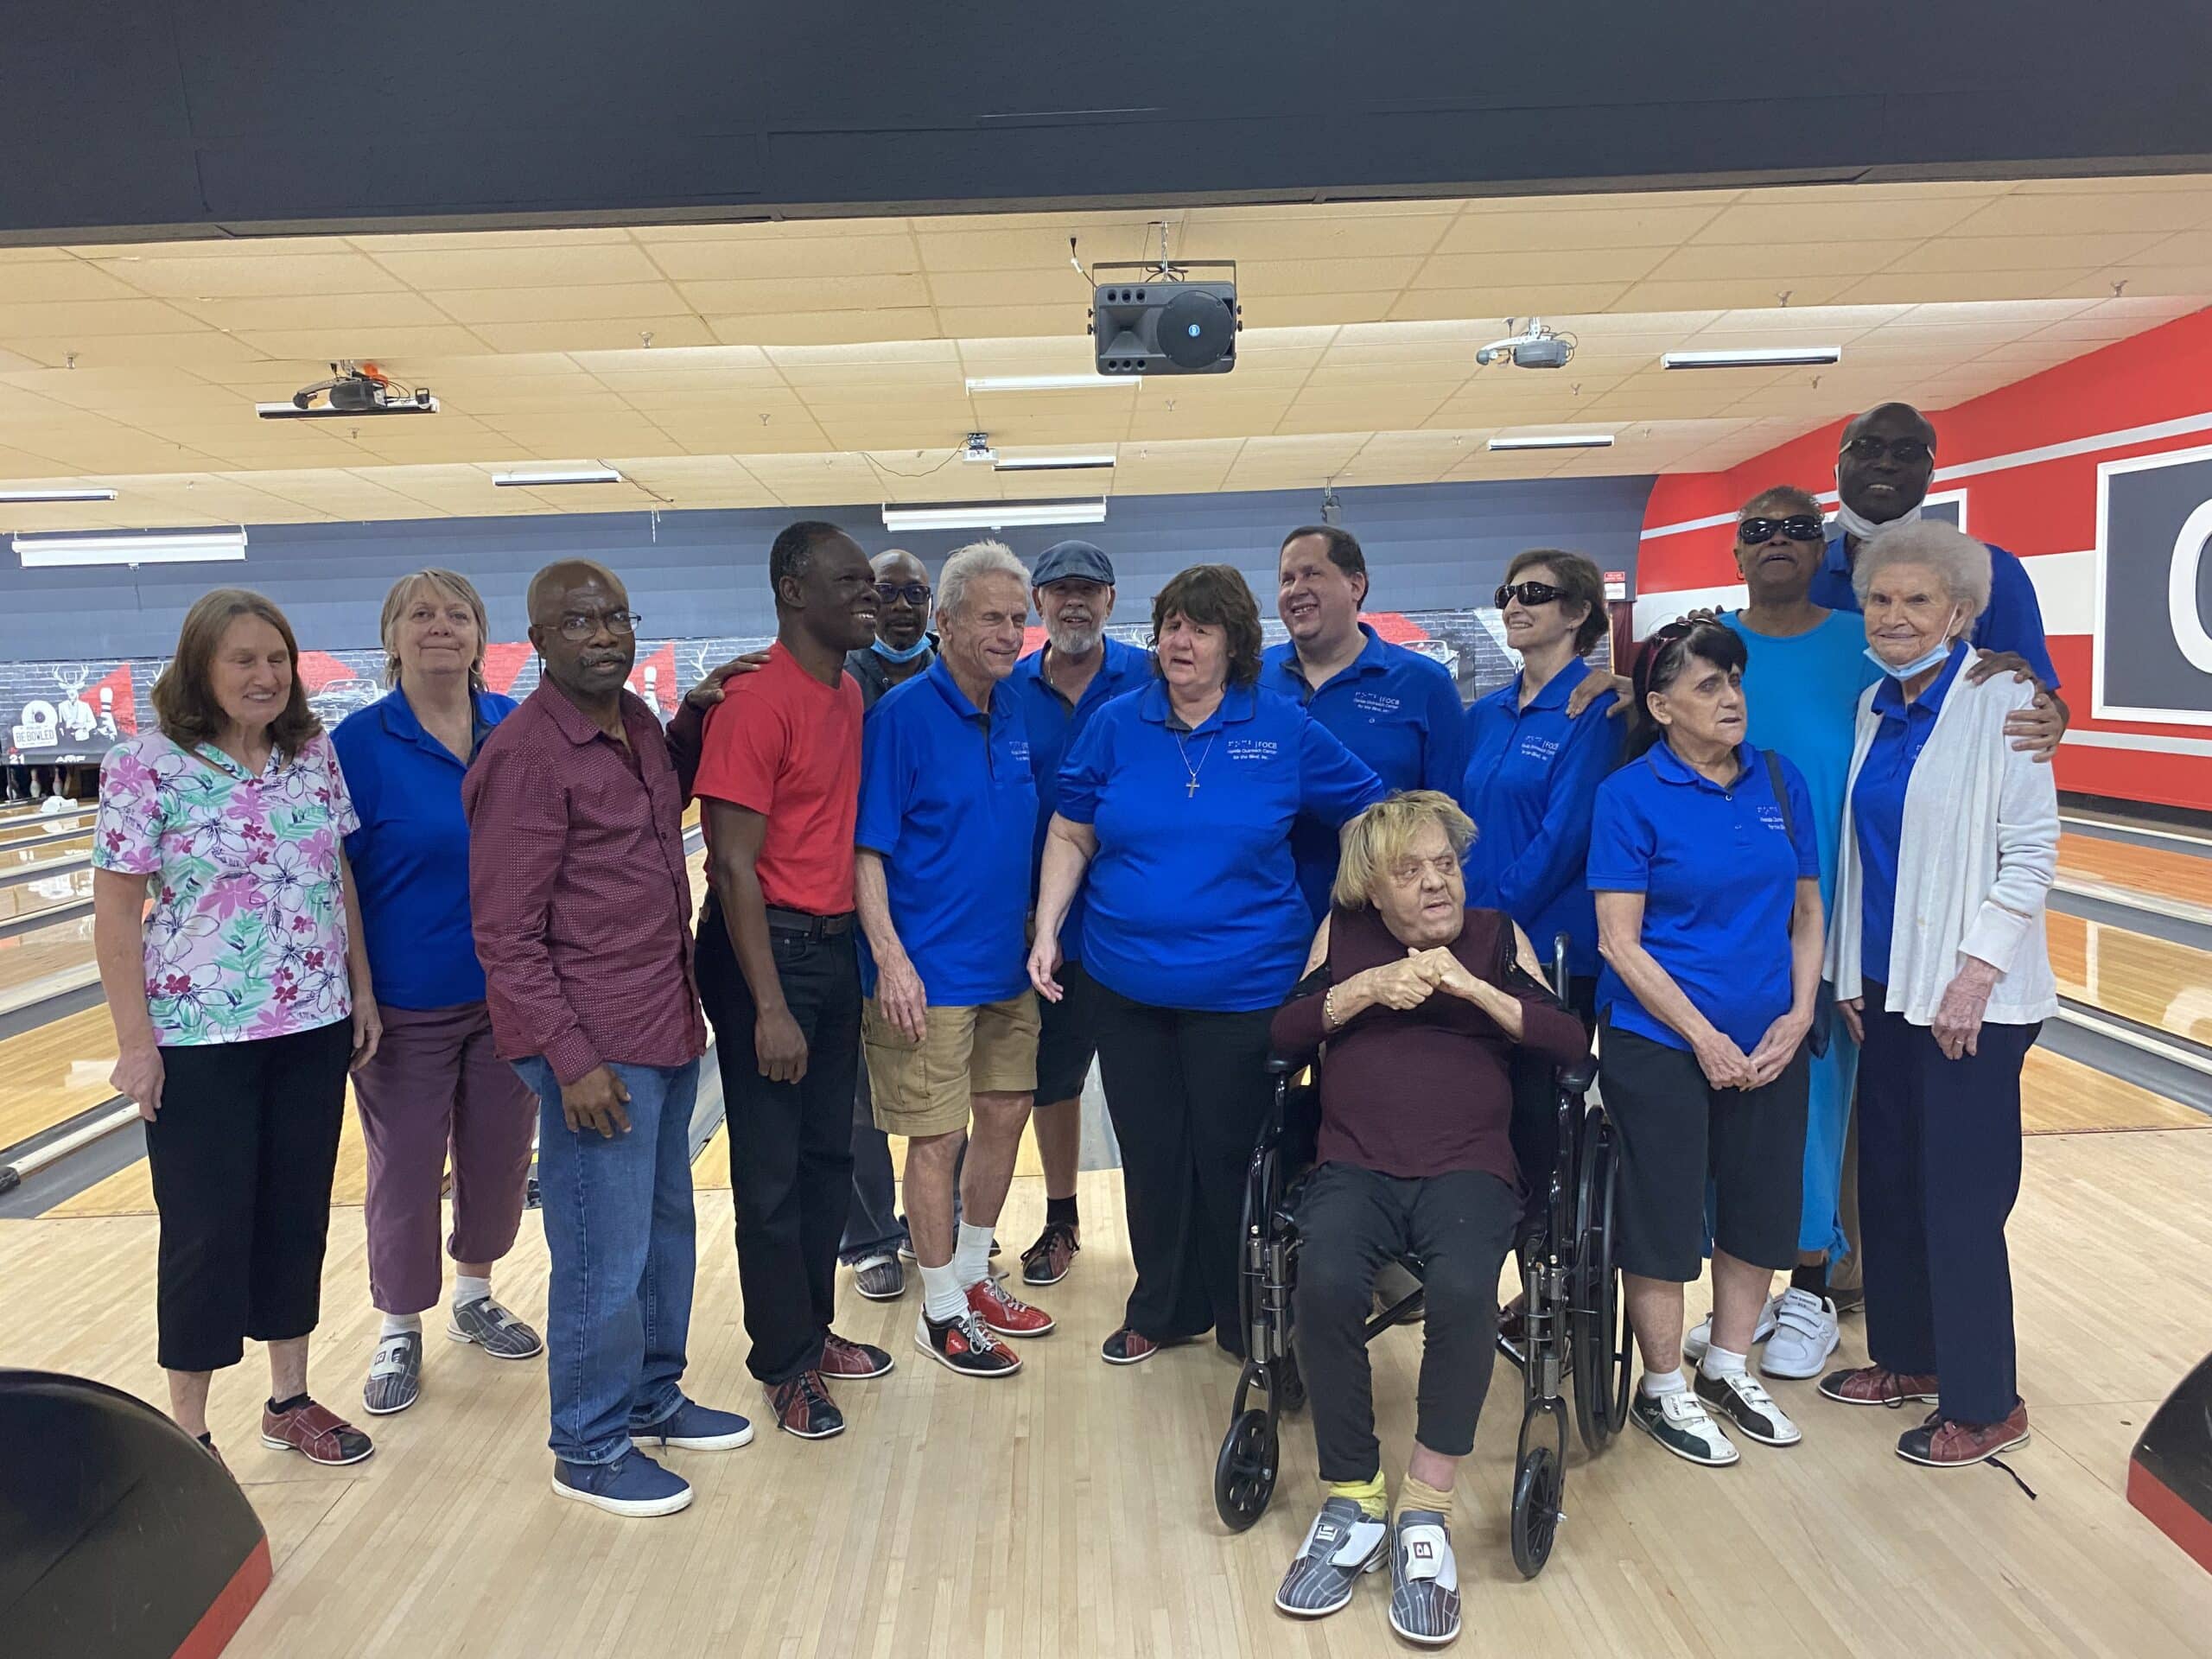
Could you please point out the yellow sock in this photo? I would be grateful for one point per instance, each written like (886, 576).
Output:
(1372, 1496)
(1420, 1495)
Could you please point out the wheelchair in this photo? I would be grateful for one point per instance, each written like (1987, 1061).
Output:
(1574, 1338)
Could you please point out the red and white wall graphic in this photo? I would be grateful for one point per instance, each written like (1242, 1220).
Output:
(2098, 473)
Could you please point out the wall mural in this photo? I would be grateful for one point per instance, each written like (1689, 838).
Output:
(70, 713)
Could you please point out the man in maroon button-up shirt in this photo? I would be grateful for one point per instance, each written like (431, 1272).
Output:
(582, 902)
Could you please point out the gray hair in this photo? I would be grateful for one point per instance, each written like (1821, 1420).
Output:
(1960, 563)
(976, 559)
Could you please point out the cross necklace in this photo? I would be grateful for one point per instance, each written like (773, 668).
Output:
(1190, 789)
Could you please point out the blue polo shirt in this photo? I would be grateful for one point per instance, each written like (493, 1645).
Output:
(410, 855)
(1877, 804)
(1801, 698)
(1718, 872)
(1531, 779)
(1396, 709)
(947, 798)
(2011, 621)
(1053, 725)
(1194, 898)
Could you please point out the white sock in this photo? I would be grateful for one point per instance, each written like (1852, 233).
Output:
(394, 1323)
(971, 1256)
(467, 1290)
(943, 1296)
(1659, 1384)
(1718, 1361)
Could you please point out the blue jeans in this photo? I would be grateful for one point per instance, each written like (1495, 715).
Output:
(618, 1228)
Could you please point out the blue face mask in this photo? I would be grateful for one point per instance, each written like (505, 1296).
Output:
(905, 656)
(1901, 671)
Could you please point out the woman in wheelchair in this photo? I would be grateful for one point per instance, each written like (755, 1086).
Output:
(1418, 1002)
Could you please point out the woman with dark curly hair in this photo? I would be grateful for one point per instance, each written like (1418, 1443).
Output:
(240, 997)
(1177, 803)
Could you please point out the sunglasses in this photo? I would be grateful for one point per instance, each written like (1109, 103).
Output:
(1906, 452)
(916, 593)
(1798, 527)
(1529, 593)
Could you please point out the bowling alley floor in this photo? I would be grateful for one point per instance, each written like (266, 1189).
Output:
(1067, 1510)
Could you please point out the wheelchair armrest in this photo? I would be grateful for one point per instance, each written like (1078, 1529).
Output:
(1577, 1078)
(1282, 1066)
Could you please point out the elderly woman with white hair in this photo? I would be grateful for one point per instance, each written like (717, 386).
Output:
(1939, 967)
(1420, 1001)
(435, 1092)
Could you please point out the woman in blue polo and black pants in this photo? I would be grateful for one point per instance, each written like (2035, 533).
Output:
(1178, 799)
(1703, 857)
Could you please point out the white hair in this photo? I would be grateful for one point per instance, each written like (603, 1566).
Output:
(976, 559)
(1960, 563)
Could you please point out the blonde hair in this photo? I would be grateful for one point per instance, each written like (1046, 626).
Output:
(1378, 837)
(453, 584)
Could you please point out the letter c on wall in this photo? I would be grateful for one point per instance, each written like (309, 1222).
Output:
(2181, 612)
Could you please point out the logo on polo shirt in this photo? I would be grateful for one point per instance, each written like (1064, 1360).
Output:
(1252, 748)
(1771, 817)
(1538, 748)
(1374, 702)
(1019, 748)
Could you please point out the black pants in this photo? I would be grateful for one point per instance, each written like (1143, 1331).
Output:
(1186, 1091)
(1939, 1163)
(1350, 1221)
(791, 1144)
(241, 1153)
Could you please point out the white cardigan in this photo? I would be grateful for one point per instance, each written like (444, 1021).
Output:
(1978, 850)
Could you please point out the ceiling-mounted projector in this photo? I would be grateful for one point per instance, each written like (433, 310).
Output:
(1158, 320)
(353, 388)
(1533, 347)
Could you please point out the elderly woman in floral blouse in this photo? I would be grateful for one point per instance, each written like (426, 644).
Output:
(239, 999)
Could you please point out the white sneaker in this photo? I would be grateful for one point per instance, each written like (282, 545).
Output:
(1805, 1334)
(1695, 1343)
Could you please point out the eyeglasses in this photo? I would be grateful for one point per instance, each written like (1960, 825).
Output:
(1906, 452)
(916, 593)
(1529, 593)
(578, 626)
(1798, 527)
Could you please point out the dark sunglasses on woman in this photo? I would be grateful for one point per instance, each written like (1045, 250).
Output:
(1798, 527)
(1529, 593)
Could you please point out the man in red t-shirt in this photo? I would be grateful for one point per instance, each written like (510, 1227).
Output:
(778, 784)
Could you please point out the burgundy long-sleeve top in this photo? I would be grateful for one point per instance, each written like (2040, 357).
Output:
(1427, 1089)
(579, 890)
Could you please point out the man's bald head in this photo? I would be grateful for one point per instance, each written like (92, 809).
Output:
(1886, 462)
(901, 621)
(550, 588)
(580, 622)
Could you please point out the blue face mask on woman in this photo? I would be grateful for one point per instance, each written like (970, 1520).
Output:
(1918, 664)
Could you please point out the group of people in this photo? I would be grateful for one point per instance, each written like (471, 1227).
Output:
(944, 876)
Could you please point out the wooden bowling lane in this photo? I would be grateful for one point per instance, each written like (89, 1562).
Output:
(51, 1074)
(45, 963)
(17, 831)
(2127, 873)
(55, 891)
(2059, 1096)
(2153, 982)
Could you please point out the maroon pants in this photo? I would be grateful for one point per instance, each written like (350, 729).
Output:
(436, 1088)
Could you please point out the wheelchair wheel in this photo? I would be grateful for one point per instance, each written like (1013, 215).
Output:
(1538, 1480)
(1244, 1472)
(1600, 1340)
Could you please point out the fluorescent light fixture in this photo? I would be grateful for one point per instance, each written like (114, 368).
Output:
(1047, 382)
(1053, 463)
(1557, 440)
(530, 481)
(288, 410)
(1762, 357)
(191, 547)
(14, 497)
(993, 515)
